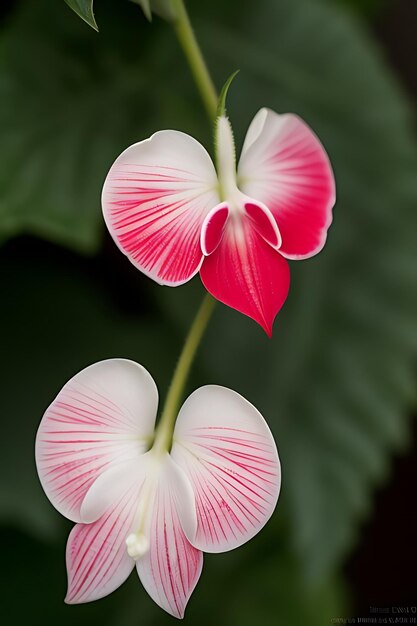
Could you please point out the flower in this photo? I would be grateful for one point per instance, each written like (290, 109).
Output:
(102, 465)
(173, 216)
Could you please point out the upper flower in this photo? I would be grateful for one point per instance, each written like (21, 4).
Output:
(135, 502)
(173, 215)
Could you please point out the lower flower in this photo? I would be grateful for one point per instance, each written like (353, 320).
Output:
(138, 504)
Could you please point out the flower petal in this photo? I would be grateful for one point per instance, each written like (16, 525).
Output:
(155, 199)
(123, 476)
(263, 222)
(97, 558)
(284, 165)
(213, 228)
(246, 273)
(227, 451)
(170, 570)
(102, 415)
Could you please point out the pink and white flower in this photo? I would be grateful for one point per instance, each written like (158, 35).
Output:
(173, 215)
(135, 503)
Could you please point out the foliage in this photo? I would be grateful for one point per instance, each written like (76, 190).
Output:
(84, 8)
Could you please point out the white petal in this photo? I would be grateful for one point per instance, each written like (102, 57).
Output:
(97, 557)
(104, 414)
(119, 478)
(255, 129)
(155, 199)
(227, 451)
(170, 569)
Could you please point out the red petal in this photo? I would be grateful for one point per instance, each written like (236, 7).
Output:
(284, 165)
(263, 222)
(247, 274)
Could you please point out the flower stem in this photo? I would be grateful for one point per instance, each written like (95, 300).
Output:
(194, 56)
(165, 428)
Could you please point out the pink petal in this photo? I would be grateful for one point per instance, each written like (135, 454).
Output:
(227, 451)
(97, 558)
(246, 273)
(284, 165)
(155, 199)
(170, 570)
(213, 228)
(102, 415)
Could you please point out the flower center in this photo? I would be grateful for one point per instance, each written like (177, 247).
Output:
(137, 545)
(137, 542)
(240, 207)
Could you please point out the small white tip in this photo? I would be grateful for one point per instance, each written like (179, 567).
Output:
(137, 545)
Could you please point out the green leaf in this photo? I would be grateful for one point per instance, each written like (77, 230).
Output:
(339, 378)
(84, 8)
(274, 581)
(70, 103)
(337, 381)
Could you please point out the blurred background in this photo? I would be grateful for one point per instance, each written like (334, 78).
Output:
(338, 381)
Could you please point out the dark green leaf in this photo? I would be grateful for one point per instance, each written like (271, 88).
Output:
(84, 8)
(338, 378)
(71, 102)
(341, 365)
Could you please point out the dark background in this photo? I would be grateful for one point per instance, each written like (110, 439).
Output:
(382, 569)
(337, 382)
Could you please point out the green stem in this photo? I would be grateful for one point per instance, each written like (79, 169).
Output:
(193, 54)
(165, 428)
